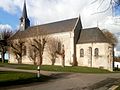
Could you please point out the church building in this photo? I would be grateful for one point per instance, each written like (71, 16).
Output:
(88, 47)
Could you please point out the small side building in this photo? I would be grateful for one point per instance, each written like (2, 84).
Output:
(94, 50)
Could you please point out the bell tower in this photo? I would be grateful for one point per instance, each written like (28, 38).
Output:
(24, 20)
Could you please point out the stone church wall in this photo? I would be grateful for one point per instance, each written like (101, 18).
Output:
(103, 60)
(66, 39)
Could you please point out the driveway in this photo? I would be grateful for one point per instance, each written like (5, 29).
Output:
(73, 81)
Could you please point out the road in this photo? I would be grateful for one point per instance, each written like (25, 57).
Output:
(73, 81)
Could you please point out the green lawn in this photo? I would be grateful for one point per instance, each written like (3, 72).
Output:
(8, 78)
(77, 69)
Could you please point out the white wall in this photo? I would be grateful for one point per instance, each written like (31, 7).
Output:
(103, 60)
(67, 40)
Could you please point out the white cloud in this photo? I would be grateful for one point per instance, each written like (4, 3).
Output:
(45, 11)
(117, 53)
(53, 10)
(5, 27)
(7, 6)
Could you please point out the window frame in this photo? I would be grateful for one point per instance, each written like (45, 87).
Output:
(81, 52)
(96, 52)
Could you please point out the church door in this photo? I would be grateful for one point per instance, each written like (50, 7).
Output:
(90, 56)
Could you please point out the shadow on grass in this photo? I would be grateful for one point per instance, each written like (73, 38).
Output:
(31, 81)
(24, 81)
(21, 82)
(9, 84)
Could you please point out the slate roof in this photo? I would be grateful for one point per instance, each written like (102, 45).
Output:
(92, 35)
(50, 28)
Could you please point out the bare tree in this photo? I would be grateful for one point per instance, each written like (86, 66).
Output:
(61, 52)
(52, 48)
(19, 49)
(55, 49)
(33, 54)
(5, 34)
(113, 40)
(111, 5)
(38, 44)
(111, 37)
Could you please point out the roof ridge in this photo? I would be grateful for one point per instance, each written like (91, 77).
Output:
(49, 28)
(54, 22)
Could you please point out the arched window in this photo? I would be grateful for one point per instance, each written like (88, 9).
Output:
(81, 53)
(96, 52)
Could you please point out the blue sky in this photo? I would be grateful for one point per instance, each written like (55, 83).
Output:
(8, 18)
(116, 10)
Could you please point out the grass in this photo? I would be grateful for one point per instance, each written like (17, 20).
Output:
(8, 78)
(18, 66)
(77, 69)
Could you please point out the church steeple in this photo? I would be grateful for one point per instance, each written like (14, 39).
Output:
(24, 20)
(24, 14)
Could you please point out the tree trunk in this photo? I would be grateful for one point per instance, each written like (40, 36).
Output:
(113, 57)
(40, 60)
(20, 60)
(35, 61)
(75, 63)
(53, 61)
(63, 61)
(2, 57)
